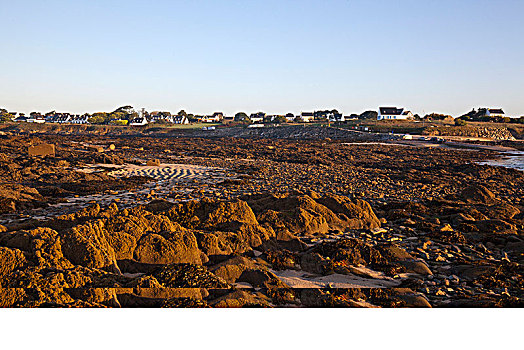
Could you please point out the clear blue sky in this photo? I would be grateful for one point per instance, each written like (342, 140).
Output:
(275, 56)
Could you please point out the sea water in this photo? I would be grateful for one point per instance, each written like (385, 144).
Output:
(510, 159)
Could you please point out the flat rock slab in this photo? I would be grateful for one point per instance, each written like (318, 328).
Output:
(303, 279)
(43, 149)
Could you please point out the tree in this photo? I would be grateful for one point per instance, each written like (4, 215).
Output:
(368, 115)
(182, 113)
(241, 117)
(124, 109)
(279, 119)
(99, 118)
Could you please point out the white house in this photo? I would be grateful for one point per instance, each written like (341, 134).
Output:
(393, 113)
(39, 119)
(494, 112)
(336, 117)
(80, 119)
(180, 119)
(161, 116)
(20, 118)
(215, 118)
(138, 121)
(307, 117)
(257, 117)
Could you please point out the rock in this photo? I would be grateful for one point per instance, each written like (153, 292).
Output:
(239, 298)
(446, 228)
(415, 266)
(477, 194)
(10, 260)
(495, 226)
(43, 244)
(168, 247)
(228, 215)
(187, 276)
(502, 210)
(414, 300)
(153, 162)
(261, 279)
(44, 149)
(87, 245)
(302, 215)
(231, 269)
(314, 263)
(95, 148)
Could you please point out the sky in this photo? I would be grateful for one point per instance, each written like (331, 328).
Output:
(273, 56)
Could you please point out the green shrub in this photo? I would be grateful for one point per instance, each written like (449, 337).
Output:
(460, 122)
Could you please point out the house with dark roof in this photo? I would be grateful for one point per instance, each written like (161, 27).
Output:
(20, 118)
(180, 119)
(388, 113)
(79, 119)
(228, 119)
(160, 117)
(493, 112)
(290, 117)
(215, 118)
(138, 121)
(307, 117)
(257, 117)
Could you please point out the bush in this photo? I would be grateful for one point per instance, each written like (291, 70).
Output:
(460, 122)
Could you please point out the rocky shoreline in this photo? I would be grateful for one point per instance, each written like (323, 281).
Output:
(278, 223)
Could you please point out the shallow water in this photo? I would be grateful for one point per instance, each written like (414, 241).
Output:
(510, 159)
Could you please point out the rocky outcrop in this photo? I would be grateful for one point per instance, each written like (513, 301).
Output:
(307, 215)
(495, 133)
(10, 260)
(168, 247)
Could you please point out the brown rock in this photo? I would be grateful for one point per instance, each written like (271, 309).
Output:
(44, 149)
(231, 269)
(10, 260)
(478, 194)
(168, 247)
(153, 162)
(239, 298)
(95, 148)
(87, 245)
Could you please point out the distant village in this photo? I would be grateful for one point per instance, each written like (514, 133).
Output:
(128, 116)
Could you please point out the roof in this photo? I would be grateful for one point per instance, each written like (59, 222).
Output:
(391, 110)
(307, 114)
(496, 110)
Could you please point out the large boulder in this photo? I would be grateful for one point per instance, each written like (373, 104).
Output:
(228, 215)
(356, 212)
(168, 247)
(43, 245)
(231, 269)
(477, 194)
(87, 245)
(304, 215)
(10, 260)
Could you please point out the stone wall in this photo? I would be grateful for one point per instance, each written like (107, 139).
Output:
(495, 133)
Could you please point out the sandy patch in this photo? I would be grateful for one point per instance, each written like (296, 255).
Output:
(303, 279)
